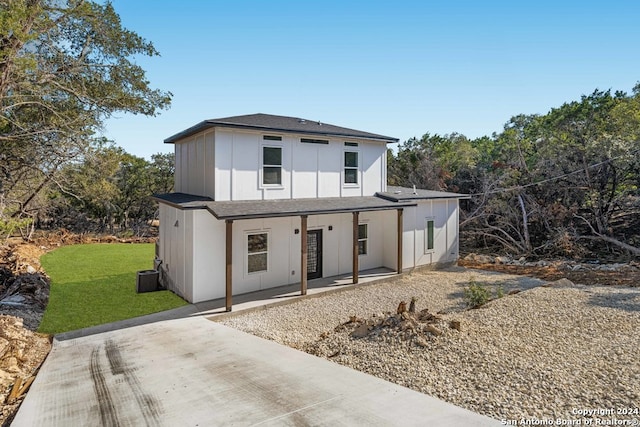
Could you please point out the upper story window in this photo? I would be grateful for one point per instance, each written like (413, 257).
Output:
(314, 141)
(350, 167)
(271, 165)
(272, 138)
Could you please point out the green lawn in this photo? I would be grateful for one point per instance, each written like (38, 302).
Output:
(95, 284)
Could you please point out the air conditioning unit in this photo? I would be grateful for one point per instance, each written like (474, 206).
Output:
(147, 281)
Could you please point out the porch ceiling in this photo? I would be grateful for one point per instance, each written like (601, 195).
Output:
(250, 209)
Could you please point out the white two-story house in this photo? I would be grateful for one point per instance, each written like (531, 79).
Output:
(262, 201)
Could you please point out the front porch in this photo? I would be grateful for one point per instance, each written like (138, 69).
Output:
(260, 300)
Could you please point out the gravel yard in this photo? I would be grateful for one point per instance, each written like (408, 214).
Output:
(543, 353)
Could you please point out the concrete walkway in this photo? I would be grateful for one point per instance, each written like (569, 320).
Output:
(179, 368)
(242, 303)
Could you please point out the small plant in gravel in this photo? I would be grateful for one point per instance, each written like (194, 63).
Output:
(476, 294)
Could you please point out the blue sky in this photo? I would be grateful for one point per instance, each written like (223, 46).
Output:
(399, 68)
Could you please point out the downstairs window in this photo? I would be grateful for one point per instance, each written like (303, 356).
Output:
(257, 252)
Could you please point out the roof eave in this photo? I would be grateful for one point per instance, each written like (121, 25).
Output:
(418, 198)
(206, 124)
(401, 205)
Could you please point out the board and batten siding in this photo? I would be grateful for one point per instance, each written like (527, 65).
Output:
(195, 157)
(195, 259)
(444, 213)
(226, 164)
(176, 227)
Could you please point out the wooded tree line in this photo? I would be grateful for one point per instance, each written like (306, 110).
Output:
(564, 183)
(561, 184)
(65, 67)
(110, 191)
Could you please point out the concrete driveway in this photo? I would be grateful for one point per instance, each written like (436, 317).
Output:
(195, 372)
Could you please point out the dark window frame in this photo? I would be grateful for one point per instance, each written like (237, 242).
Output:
(348, 175)
(363, 239)
(314, 141)
(429, 235)
(257, 252)
(271, 167)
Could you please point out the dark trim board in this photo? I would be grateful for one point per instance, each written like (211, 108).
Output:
(257, 209)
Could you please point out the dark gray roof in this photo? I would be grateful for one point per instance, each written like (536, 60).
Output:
(183, 200)
(396, 194)
(248, 209)
(271, 123)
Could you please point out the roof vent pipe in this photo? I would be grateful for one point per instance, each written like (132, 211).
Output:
(414, 189)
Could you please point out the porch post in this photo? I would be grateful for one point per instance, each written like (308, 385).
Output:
(229, 257)
(303, 255)
(400, 227)
(355, 247)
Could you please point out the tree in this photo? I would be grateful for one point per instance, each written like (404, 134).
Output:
(65, 67)
(595, 145)
(162, 172)
(432, 162)
(564, 183)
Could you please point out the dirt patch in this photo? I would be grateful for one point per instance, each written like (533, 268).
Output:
(24, 287)
(585, 274)
(24, 294)
(21, 354)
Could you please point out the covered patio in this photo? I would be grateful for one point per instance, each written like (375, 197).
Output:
(241, 210)
(280, 295)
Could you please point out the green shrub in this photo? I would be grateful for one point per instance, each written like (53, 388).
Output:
(9, 225)
(476, 295)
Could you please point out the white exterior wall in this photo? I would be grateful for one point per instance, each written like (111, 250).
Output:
(409, 238)
(208, 256)
(308, 170)
(453, 230)
(203, 274)
(195, 157)
(193, 252)
(444, 213)
(176, 248)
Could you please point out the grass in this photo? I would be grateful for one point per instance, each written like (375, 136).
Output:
(96, 283)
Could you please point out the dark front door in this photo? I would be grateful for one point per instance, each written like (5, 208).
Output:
(314, 254)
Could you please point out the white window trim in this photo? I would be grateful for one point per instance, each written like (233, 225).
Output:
(262, 166)
(367, 239)
(344, 167)
(426, 235)
(246, 252)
